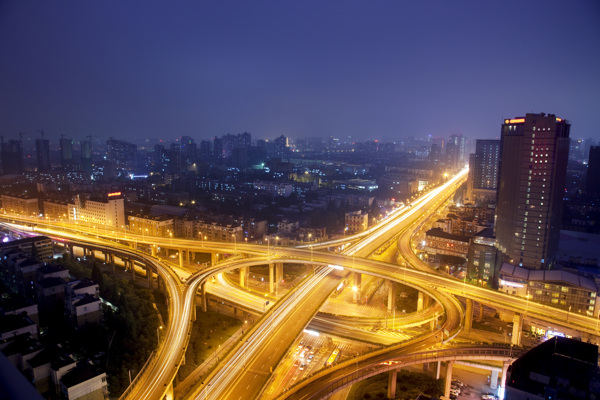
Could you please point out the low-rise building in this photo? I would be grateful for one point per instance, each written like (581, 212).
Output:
(84, 382)
(439, 242)
(356, 221)
(21, 205)
(42, 244)
(557, 288)
(484, 259)
(106, 211)
(13, 325)
(84, 310)
(151, 225)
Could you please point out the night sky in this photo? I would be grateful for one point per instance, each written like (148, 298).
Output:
(366, 69)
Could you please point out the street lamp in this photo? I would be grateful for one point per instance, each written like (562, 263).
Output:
(158, 334)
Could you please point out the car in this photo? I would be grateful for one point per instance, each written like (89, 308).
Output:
(302, 366)
(296, 363)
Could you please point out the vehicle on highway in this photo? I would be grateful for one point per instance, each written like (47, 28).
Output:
(335, 355)
(302, 366)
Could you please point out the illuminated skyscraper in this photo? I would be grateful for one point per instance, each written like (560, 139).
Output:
(533, 166)
(482, 183)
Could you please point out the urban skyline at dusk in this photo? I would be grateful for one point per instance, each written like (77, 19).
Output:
(378, 71)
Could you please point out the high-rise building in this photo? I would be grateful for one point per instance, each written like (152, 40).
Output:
(86, 157)
(12, 157)
(122, 153)
(592, 184)
(483, 171)
(66, 153)
(456, 152)
(42, 152)
(533, 166)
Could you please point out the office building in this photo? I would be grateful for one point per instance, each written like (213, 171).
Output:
(533, 165)
(482, 183)
(104, 212)
(42, 152)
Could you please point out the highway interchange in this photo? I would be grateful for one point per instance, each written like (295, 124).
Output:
(276, 325)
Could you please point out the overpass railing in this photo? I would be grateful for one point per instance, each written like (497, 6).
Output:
(394, 363)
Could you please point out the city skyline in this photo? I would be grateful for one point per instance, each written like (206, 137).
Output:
(386, 71)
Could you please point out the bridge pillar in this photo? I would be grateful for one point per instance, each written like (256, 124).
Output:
(244, 277)
(153, 250)
(448, 382)
(392, 377)
(132, 264)
(357, 281)
(271, 278)
(187, 256)
(494, 380)
(278, 276)
(469, 316)
(105, 258)
(420, 301)
(426, 301)
(193, 313)
(438, 369)
(203, 298)
(112, 263)
(71, 250)
(149, 277)
(505, 366)
(213, 258)
(181, 258)
(517, 328)
(391, 296)
(480, 312)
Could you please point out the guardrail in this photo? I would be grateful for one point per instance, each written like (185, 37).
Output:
(496, 353)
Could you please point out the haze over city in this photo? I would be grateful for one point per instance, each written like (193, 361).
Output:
(369, 70)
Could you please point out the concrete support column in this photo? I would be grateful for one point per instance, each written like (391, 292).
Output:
(193, 316)
(480, 311)
(187, 257)
(213, 258)
(420, 301)
(448, 379)
(392, 377)
(271, 278)
(203, 297)
(391, 295)
(149, 277)
(433, 324)
(438, 369)
(517, 328)
(112, 263)
(71, 248)
(105, 258)
(278, 276)
(132, 263)
(426, 301)
(357, 281)
(180, 258)
(504, 372)
(153, 249)
(494, 380)
(244, 277)
(469, 316)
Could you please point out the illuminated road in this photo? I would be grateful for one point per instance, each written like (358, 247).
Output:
(154, 381)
